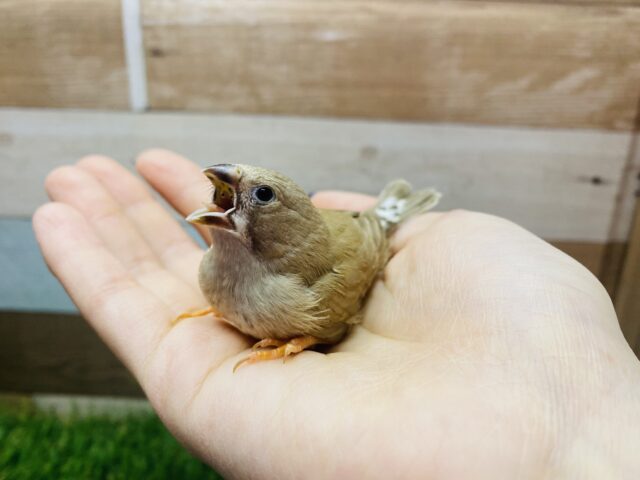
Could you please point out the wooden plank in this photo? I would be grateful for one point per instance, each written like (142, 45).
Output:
(53, 353)
(589, 254)
(612, 263)
(48, 353)
(549, 65)
(561, 184)
(62, 53)
(628, 192)
(628, 293)
(627, 288)
(604, 260)
(27, 285)
(602, 3)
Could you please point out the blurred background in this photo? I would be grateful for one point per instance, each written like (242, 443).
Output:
(525, 109)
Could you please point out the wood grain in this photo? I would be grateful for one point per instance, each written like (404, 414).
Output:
(628, 294)
(578, 3)
(591, 255)
(506, 63)
(604, 260)
(62, 53)
(60, 354)
(611, 265)
(561, 184)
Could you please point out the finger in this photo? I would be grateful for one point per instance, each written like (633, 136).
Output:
(161, 232)
(178, 180)
(337, 200)
(106, 294)
(75, 187)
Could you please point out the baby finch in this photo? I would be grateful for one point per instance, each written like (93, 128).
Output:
(280, 269)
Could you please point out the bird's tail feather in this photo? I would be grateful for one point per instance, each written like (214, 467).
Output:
(397, 202)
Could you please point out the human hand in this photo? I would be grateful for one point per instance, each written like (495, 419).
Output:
(484, 352)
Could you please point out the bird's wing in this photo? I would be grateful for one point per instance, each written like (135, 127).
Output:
(359, 250)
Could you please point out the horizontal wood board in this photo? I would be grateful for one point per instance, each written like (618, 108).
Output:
(506, 63)
(48, 353)
(578, 3)
(27, 285)
(561, 184)
(62, 53)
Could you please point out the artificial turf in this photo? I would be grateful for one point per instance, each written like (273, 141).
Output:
(42, 445)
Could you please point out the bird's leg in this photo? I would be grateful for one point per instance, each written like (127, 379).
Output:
(197, 313)
(293, 346)
(268, 342)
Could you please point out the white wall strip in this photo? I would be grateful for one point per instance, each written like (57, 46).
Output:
(134, 53)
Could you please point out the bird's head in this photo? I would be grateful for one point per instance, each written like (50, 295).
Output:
(264, 209)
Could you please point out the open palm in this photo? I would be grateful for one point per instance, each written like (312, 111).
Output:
(484, 352)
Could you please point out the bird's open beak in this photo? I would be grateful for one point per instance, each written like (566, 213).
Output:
(225, 179)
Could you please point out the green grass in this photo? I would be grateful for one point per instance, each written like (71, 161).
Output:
(42, 445)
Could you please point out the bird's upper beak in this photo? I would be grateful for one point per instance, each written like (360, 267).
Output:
(225, 179)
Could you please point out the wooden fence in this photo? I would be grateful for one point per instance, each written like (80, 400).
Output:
(525, 109)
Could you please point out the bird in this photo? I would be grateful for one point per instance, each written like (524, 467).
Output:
(285, 272)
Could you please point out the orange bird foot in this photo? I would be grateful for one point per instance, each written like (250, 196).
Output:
(197, 313)
(268, 343)
(280, 349)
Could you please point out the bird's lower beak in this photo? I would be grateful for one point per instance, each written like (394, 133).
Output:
(211, 217)
(225, 179)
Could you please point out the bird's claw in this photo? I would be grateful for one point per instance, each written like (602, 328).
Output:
(281, 350)
(194, 314)
(267, 343)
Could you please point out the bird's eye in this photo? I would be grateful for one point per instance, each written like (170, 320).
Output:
(264, 194)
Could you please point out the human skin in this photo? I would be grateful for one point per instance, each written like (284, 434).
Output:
(484, 351)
